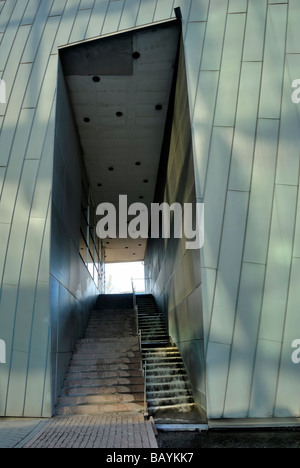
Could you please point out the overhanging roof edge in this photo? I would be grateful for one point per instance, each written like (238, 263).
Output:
(123, 31)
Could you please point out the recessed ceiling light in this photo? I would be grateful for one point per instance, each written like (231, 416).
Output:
(99, 185)
(119, 114)
(140, 245)
(136, 55)
(145, 181)
(126, 247)
(86, 119)
(111, 168)
(138, 163)
(134, 253)
(141, 197)
(96, 79)
(158, 107)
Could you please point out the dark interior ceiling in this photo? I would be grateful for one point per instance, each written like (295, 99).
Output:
(119, 88)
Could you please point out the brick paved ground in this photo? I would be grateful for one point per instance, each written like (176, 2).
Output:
(15, 432)
(95, 431)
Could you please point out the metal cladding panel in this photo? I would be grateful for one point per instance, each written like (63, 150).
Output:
(221, 38)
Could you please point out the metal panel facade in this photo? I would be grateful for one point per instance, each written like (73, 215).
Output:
(241, 59)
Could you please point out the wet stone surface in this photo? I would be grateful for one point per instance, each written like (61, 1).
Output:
(276, 438)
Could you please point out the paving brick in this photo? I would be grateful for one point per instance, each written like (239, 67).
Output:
(98, 431)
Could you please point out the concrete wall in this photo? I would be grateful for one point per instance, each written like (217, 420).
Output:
(174, 270)
(241, 58)
(72, 290)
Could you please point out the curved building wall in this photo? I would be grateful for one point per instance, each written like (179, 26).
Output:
(241, 58)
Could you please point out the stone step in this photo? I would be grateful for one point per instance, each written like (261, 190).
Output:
(155, 402)
(165, 386)
(109, 357)
(116, 319)
(110, 323)
(160, 350)
(163, 359)
(169, 354)
(93, 390)
(130, 358)
(163, 366)
(172, 393)
(105, 352)
(186, 407)
(167, 372)
(100, 408)
(129, 368)
(108, 332)
(104, 373)
(160, 379)
(154, 342)
(104, 381)
(112, 339)
(100, 347)
(101, 398)
(150, 333)
(150, 320)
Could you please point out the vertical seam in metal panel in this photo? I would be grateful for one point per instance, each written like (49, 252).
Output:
(88, 23)
(216, 97)
(72, 27)
(272, 214)
(42, 32)
(14, 206)
(33, 17)
(247, 212)
(295, 224)
(74, 20)
(34, 305)
(121, 15)
(10, 97)
(199, 71)
(209, 151)
(40, 255)
(17, 30)
(48, 351)
(8, 21)
(104, 18)
(185, 32)
(18, 286)
(265, 274)
(154, 13)
(37, 102)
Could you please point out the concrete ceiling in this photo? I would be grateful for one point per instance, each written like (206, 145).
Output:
(120, 88)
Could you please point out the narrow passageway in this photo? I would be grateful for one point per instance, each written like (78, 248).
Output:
(105, 372)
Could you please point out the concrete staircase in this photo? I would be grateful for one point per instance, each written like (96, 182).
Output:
(167, 385)
(105, 373)
(151, 323)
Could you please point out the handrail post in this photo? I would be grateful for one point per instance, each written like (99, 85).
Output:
(145, 385)
(135, 307)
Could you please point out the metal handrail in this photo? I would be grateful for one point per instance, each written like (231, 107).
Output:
(140, 348)
(145, 385)
(135, 306)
